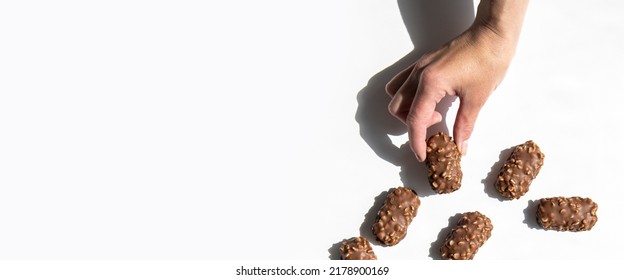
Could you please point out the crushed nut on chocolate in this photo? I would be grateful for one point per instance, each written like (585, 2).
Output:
(443, 164)
(357, 248)
(567, 213)
(519, 170)
(395, 216)
(471, 232)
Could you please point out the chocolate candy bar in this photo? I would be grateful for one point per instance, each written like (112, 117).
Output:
(567, 213)
(519, 170)
(443, 163)
(357, 248)
(463, 242)
(395, 216)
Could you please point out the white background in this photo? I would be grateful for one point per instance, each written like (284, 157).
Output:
(258, 130)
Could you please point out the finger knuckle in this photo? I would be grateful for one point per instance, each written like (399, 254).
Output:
(413, 118)
(430, 76)
(392, 109)
(390, 89)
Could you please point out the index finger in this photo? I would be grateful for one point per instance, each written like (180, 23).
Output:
(422, 115)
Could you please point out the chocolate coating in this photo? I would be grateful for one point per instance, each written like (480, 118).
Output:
(396, 215)
(471, 232)
(519, 170)
(357, 248)
(567, 213)
(443, 164)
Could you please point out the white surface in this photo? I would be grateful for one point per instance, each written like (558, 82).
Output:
(201, 130)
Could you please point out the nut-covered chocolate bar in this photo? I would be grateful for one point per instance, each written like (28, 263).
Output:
(443, 163)
(519, 170)
(567, 213)
(396, 215)
(471, 232)
(357, 248)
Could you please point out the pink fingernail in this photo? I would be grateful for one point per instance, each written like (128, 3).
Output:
(463, 149)
(419, 158)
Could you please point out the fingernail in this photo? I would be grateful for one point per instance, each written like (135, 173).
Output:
(419, 158)
(463, 148)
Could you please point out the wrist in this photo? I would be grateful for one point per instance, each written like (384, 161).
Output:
(492, 43)
(498, 24)
(503, 18)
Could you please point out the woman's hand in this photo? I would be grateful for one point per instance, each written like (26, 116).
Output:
(470, 67)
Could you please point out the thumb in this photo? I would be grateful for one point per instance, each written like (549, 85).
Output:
(464, 123)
